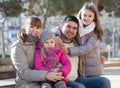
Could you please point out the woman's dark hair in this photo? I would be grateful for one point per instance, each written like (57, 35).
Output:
(71, 18)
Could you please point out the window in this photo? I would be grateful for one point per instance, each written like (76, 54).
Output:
(13, 35)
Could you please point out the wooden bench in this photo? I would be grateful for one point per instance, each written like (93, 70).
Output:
(7, 73)
(7, 83)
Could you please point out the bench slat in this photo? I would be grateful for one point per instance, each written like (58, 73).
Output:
(7, 82)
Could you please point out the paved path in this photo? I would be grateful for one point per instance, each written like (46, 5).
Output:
(113, 73)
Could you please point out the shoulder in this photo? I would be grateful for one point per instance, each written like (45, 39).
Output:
(61, 52)
(17, 47)
(92, 35)
(16, 43)
(56, 30)
(38, 45)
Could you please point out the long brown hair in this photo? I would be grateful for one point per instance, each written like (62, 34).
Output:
(30, 20)
(90, 6)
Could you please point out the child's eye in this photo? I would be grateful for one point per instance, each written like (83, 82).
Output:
(52, 41)
(90, 16)
(46, 42)
(84, 15)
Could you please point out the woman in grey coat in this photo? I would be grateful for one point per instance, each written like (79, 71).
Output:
(22, 53)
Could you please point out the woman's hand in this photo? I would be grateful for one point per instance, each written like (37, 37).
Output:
(54, 76)
(55, 69)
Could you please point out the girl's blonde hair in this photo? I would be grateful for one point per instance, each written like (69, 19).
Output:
(90, 6)
(30, 20)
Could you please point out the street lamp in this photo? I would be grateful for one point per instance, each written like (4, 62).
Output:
(113, 42)
(108, 49)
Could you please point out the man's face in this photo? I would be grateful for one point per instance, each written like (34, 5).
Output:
(69, 29)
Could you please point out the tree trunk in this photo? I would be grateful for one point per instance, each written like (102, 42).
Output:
(96, 2)
(30, 9)
(3, 43)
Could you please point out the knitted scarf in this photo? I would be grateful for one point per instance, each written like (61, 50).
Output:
(51, 59)
(85, 30)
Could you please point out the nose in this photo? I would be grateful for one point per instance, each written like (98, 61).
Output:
(34, 28)
(49, 45)
(71, 29)
(86, 17)
(35, 31)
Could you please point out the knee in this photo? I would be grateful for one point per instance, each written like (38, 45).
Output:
(106, 82)
(60, 84)
(46, 85)
(79, 85)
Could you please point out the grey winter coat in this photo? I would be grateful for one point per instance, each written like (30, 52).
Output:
(90, 55)
(22, 55)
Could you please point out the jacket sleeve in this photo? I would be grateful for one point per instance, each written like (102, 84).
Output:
(66, 64)
(38, 62)
(91, 43)
(23, 69)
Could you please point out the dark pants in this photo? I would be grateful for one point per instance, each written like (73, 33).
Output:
(94, 82)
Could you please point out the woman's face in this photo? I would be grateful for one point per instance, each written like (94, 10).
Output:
(87, 16)
(33, 28)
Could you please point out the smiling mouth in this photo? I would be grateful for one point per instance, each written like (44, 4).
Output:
(70, 33)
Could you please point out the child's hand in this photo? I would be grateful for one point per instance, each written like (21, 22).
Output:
(55, 70)
(54, 76)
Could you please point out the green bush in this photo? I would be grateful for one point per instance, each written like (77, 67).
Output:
(7, 55)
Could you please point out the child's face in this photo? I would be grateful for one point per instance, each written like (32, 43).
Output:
(87, 16)
(33, 29)
(49, 43)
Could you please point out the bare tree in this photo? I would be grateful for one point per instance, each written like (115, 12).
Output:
(8, 9)
(96, 2)
(30, 9)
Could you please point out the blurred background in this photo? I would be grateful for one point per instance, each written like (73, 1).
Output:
(14, 12)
